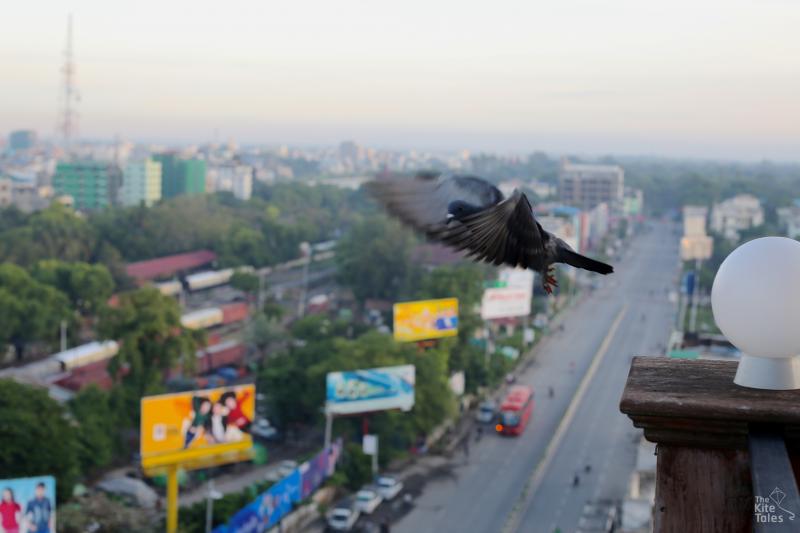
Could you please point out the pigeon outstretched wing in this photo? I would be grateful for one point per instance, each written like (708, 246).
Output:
(421, 201)
(506, 233)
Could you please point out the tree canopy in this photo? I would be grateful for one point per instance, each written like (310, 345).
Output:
(36, 437)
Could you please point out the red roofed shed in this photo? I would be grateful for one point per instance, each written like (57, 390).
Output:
(169, 265)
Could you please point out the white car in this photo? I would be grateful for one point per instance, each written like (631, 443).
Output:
(284, 469)
(368, 499)
(343, 517)
(389, 487)
(486, 413)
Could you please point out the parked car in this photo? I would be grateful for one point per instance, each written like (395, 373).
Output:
(343, 516)
(261, 428)
(368, 499)
(284, 469)
(486, 412)
(389, 487)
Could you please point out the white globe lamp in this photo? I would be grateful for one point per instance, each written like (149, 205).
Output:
(756, 304)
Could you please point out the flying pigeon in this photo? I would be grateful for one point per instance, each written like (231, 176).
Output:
(470, 214)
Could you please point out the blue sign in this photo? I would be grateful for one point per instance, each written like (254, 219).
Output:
(376, 389)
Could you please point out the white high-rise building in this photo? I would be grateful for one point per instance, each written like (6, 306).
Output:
(741, 212)
(141, 182)
(237, 179)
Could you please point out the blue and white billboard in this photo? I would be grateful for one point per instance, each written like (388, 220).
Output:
(28, 504)
(376, 389)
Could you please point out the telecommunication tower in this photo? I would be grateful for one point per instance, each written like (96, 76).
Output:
(68, 120)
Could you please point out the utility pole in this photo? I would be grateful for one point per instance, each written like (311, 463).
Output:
(63, 335)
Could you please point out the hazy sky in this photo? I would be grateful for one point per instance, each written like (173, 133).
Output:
(699, 78)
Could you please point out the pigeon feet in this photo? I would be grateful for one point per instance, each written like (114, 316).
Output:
(549, 280)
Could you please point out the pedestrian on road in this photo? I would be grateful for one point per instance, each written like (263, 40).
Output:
(576, 480)
(384, 526)
(550, 391)
(587, 468)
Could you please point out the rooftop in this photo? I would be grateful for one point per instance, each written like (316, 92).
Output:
(169, 265)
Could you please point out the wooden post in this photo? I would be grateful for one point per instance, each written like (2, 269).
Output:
(701, 422)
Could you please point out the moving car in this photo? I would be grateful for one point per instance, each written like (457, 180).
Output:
(515, 411)
(343, 516)
(486, 412)
(368, 499)
(388, 487)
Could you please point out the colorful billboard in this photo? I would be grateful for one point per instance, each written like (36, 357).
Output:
(505, 303)
(28, 504)
(191, 427)
(271, 506)
(426, 319)
(376, 389)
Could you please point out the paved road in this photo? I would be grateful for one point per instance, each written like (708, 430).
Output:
(499, 487)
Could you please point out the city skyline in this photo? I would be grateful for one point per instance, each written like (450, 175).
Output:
(662, 79)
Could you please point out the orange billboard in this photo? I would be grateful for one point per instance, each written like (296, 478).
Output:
(192, 427)
(426, 319)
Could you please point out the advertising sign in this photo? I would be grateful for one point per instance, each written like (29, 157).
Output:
(504, 303)
(517, 278)
(376, 389)
(426, 319)
(194, 426)
(271, 506)
(369, 444)
(28, 504)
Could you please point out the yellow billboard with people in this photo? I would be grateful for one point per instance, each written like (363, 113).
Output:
(425, 319)
(191, 427)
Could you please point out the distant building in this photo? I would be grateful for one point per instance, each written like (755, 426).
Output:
(789, 218)
(181, 176)
(141, 182)
(564, 222)
(586, 186)
(6, 189)
(736, 214)
(91, 184)
(21, 140)
(695, 244)
(632, 202)
(237, 179)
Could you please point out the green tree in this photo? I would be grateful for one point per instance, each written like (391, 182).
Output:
(375, 260)
(245, 281)
(55, 232)
(262, 332)
(96, 429)
(152, 340)
(87, 286)
(36, 437)
(29, 310)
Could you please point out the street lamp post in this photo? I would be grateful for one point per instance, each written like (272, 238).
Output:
(756, 304)
(211, 495)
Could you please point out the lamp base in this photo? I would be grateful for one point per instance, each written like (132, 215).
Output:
(768, 372)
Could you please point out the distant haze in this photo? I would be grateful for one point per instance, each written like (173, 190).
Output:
(704, 79)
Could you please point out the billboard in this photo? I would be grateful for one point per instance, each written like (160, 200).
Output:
(376, 389)
(191, 427)
(426, 319)
(518, 278)
(505, 303)
(271, 506)
(28, 504)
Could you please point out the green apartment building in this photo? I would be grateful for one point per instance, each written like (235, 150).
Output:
(181, 176)
(91, 184)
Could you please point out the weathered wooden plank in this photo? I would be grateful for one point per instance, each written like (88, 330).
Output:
(702, 491)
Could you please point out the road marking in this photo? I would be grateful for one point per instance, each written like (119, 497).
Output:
(530, 488)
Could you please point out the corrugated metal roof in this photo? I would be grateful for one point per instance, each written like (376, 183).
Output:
(169, 265)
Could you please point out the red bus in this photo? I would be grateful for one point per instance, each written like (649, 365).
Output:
(515, 411)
